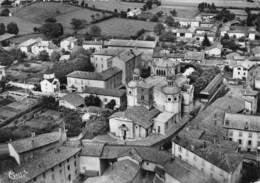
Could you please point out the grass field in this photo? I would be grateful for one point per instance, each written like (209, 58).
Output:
(24, 26)
(38, 12)
(118, 27)
(85, 14)
(114, 4)
(182, 11)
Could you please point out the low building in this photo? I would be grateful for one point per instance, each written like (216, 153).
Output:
(241, 69)
(72, 101)
(96, 45)
(134, 12)
(26, 46)
(59, 165)
(50, 84)
(214, 50)
(68, 43)
(107, 95)
(133, 123)
(243, 129)
(182, 33)
(109, 79)
(40, 46)
(187, 22)
(193, 56)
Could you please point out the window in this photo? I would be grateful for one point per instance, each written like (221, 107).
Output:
(130, 93)
(52, 169)
(53, 176)
(60, 171)
(169, 99)
(230, 133)
(248, 149)
(240, 134)
(175, 99)
(250, 135)
(142, 97)
(159, 129)
(249, 142)
(180, 149)
(43, 175)
(35, 179)
(68, 167)
(258, 143)
(230, 139)
(69, 177)
(239, 141)
(105, 99)
(75, 163)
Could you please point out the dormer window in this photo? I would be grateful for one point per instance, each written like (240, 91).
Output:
(227, 122)
(246, 126)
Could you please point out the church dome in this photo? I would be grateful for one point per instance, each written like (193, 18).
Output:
(171, 90)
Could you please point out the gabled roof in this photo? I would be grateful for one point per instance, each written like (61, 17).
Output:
(131, 43)
(41, 164)
(139, 115)
(30, 42)
(31, 143)
(92, 149)
(242, 122)
(74, 99)
(193, 55)
(101, 76)
(215, 45)
(105, 91)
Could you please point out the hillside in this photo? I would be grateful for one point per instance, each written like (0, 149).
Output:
(5, 58)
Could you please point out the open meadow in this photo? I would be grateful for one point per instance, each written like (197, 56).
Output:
(118, 27)
(114, 4)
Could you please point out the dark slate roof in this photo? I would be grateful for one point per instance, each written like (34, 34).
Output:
(74, 99)
(92, 149)
(139, 115)
(242, 122)
(105, 92)
(31, 143)
(102, 76)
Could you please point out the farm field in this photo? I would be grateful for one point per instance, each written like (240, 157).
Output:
(38, 12)
(114, 4)
(85, 14)
(24, 26)
(182, 11)
(117, 27)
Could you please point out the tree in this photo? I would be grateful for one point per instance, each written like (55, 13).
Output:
(18, 54)
(50, 102)
(96, 126)
(5, 12)
(55, 56)
(173, 13)
(145, 72)
(92, 100)
(51, 30)
(44, 56)
(169, 21)
(95, 30)
(154, 18)
(12, 28)
(2, 28)
(123, 14)
(206, 41)
(159, 28)
(167, 37)
(149, 4)
(111, 104)
(78, 24)
(51, 20)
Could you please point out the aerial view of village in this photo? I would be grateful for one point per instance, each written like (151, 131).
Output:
(129, 91)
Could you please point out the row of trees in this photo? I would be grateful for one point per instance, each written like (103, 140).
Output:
(207, 7)
(11, 28)
(92, 100)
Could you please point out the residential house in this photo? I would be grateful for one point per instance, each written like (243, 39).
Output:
(163, 122)
(134, 12)
(182, 33)
(50, 84)
(64, 58)
(213, 156)
(96, 45)
(68, 43)
(59, 165)
(2, 72)
(27, 148)
(187, 22)
(206, 17)
(40, 46)
(193, 56)
(26, 46)
(243, 129)
(256, 51)
(251, 100)
(133, 123)
(109, 79)
(107, 95)
(241, 69)
(72, 101)
(214, 50)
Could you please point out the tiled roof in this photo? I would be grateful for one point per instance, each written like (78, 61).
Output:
(131, 43)
(38, 141)
(6, 36)
(30, 42)
(192, 55)
(139, 115)
(128, 55)
(92, 149)
(164, 117)
(211, 87)
(242, 122)
(222, 153)
(42, 163)
(105, 92)
(102, 76)
(74, 99)
(109, 51)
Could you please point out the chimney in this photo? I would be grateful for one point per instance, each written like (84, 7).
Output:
(33, 134)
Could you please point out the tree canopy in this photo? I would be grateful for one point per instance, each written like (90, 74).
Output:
(159, 28)
(92, 100)
(95, 30)
(51, 29)
(12, 28)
